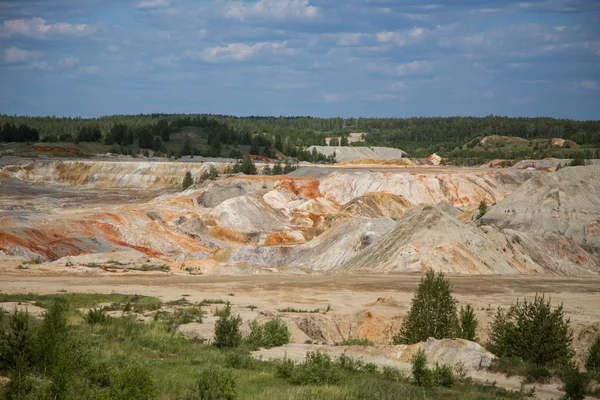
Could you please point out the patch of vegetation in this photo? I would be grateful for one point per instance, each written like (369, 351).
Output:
(273, 333)
(592, 363)
(151, 267)
(355, 342)
(468, 324)
(533, 332)
(227, 329)
(187, 181)
(85, 300)
(298, 310)
(58, 357)
(212, 301)
(432, 312)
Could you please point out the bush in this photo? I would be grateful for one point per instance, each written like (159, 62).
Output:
(443, 376)
(533, 332)
(592, 364)
(421, 374)
(317, 369)
(468, 324)
(482, 209)
(392, 374)
(215, 383)
(96, 316)
(16, 342)
(432, 312)
(538, 374)
(211, 174)
(227, 329)
(355, 342)
(575, 383)
(131, 381)
(272, 334)
(187, 181)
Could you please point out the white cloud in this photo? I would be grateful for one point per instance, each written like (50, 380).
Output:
(272, 9)
(16, 55)
(38, 28)
(67, 62)
(590, 85)
(152, 4)
(237, 51)
(333, 97)
(398, 85)
(414, 67)
(90, 69)
(401, 38)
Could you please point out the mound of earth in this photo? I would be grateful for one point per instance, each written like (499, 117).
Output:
(428, 238)
(341, 242)
(462, 190)
(566, 202)
(380, 204)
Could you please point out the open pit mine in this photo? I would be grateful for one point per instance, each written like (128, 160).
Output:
(117, 215)
(335, 251)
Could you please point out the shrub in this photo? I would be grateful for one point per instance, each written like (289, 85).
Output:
(533, 332)
(96, 316)
(16, 341)
(432, 312)
(421, 374)
(272, 334)
(443, 376)
(187, 181)
(592, 364)
(392, 374)
(482, 209)
(317, 369)
(211, 174)
(355, 342)
(575, 383)
(227, 329)
(538, 374)
(131, 381)
(215, 383)
(468, 324)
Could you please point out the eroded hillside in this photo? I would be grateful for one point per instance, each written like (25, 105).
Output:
(90, 213)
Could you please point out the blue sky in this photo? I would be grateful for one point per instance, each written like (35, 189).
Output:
(327, 58)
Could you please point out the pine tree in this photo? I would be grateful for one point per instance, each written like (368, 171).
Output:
(227, 329)
(432, 312)
(468, 323)
(187, 181)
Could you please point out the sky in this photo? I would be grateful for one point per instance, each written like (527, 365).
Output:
(324, 58)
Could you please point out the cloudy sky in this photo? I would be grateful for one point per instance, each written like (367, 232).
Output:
(393, 58)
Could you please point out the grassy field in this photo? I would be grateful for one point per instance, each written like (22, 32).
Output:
(122, 358)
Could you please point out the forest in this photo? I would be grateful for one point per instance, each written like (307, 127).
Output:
(222, 135)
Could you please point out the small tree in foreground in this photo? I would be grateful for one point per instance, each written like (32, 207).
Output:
(533, 332)
(215, 383)
(592, 364)
(187, 181)
(482, 209)
(227, 329)
(432, 311)
(468, 324)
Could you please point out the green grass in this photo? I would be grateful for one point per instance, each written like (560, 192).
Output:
(298, 310)
(213, 301)
(355, 342)
(84, 300)
(174, 362)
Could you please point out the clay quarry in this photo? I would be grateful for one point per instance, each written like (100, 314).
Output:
(348, 242)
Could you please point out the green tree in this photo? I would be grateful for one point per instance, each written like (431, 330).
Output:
(592, 364)
(16, 342)
(534, 332)
(468, 323)
(267, 170)
(432, 312)
(227, 329)
(482, 209)
(215, 383)
(344, 141)
(187, 148)
(187, 181)
(246, 166)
